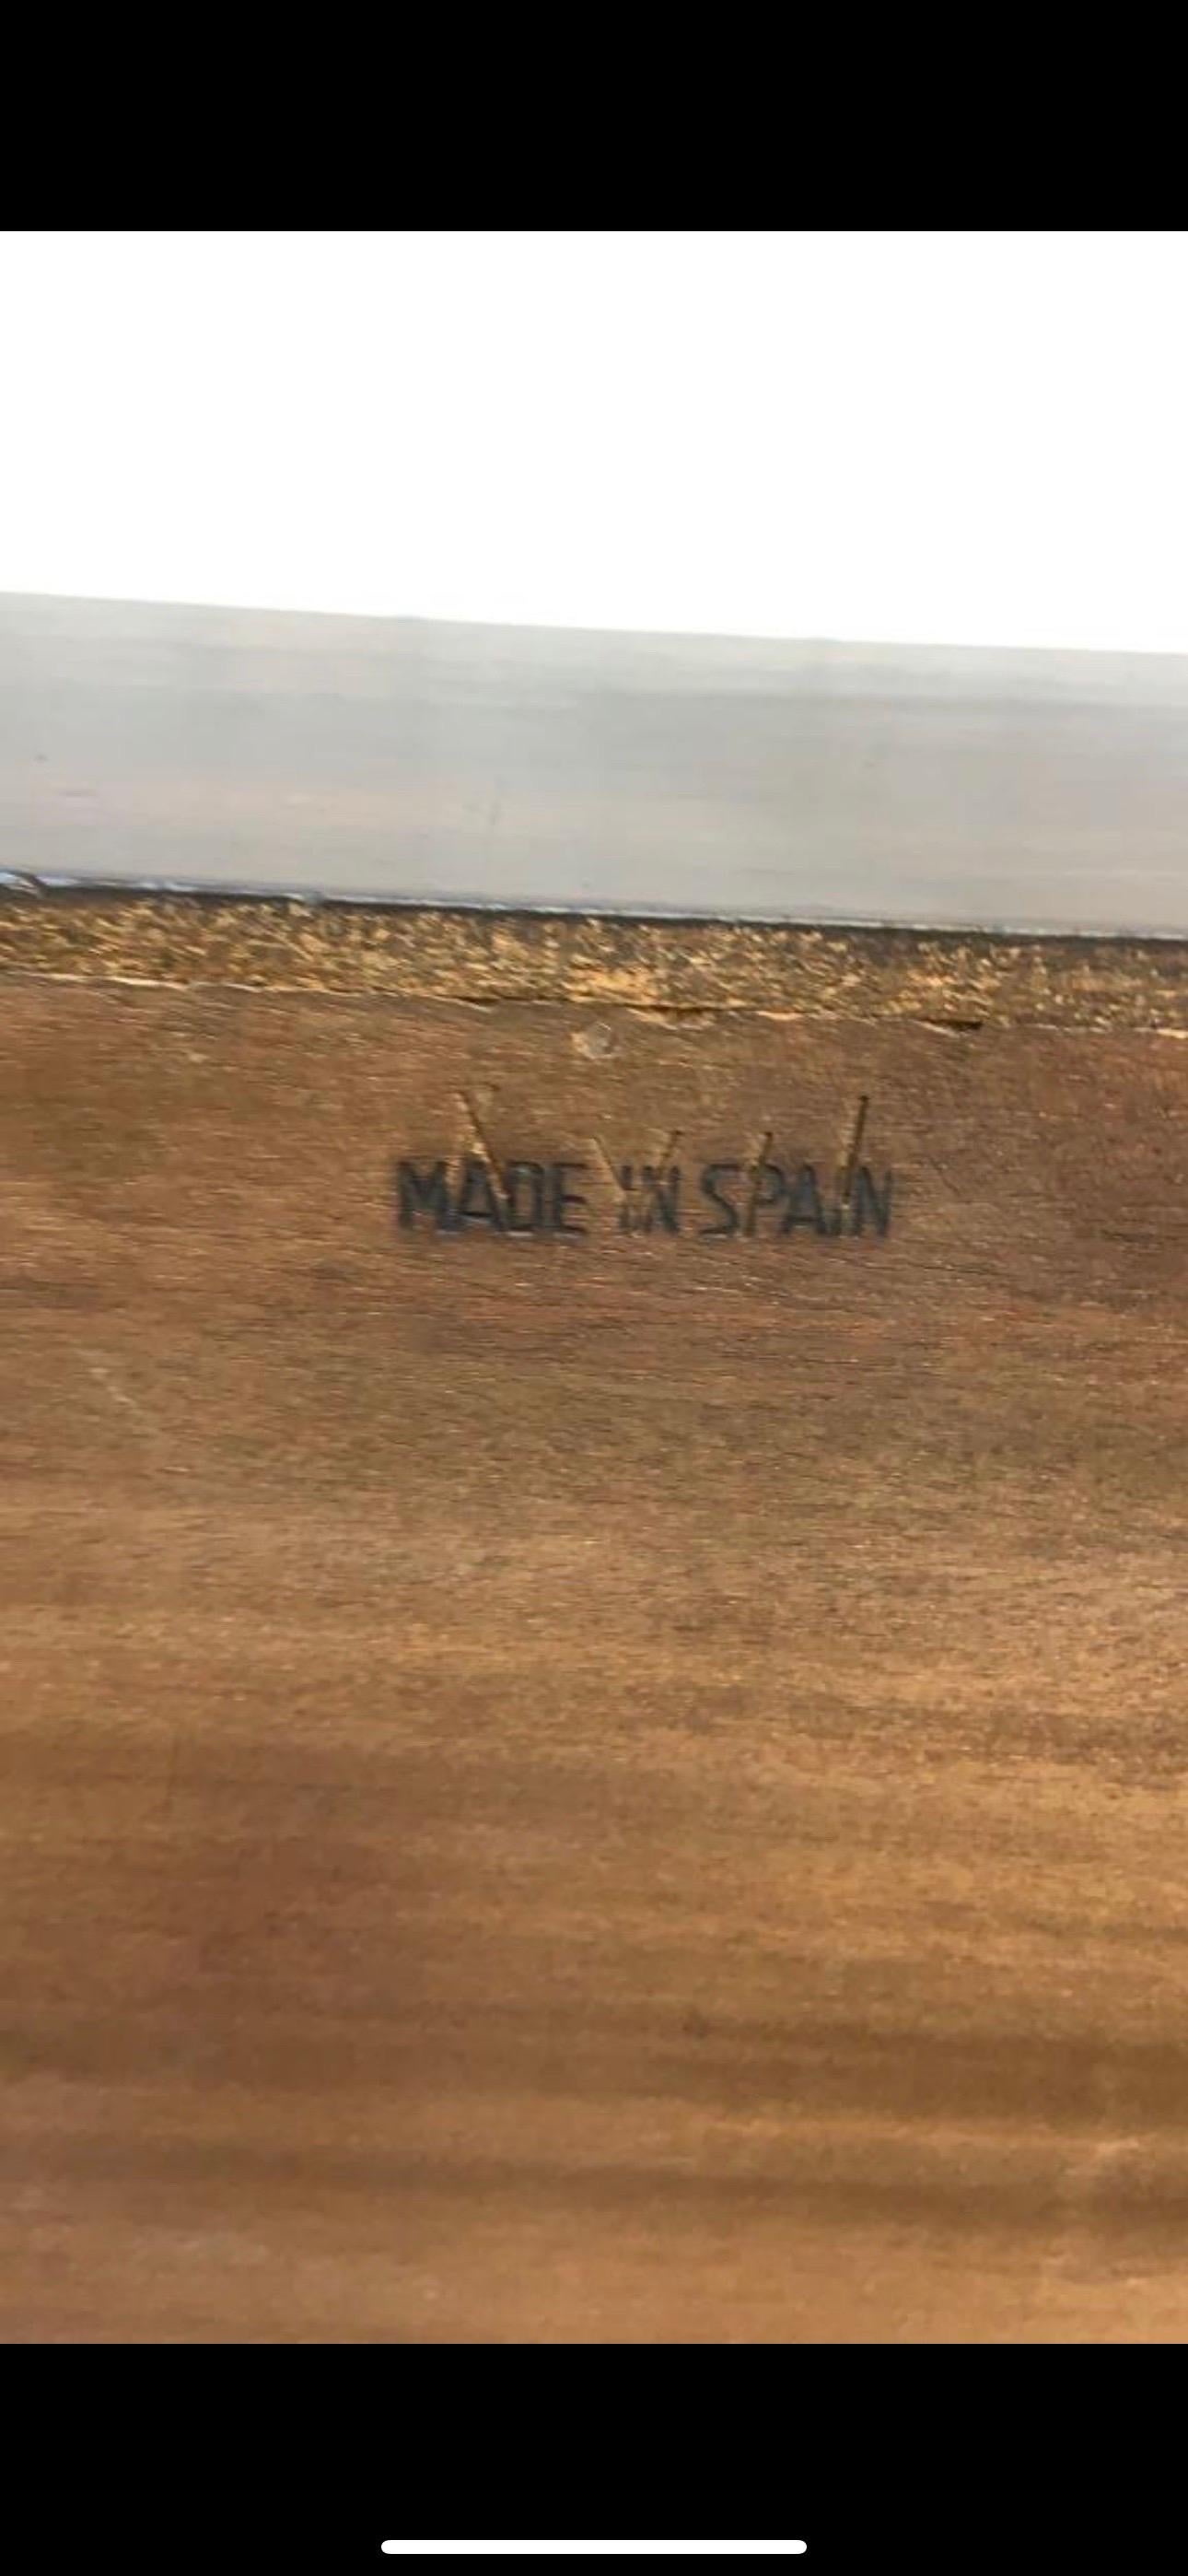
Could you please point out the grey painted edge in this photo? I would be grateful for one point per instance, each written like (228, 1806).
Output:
(471, 768)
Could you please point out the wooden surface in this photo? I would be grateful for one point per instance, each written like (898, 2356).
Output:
(614, 1787)
(412, 760)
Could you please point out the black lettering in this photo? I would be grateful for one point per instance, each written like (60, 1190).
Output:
(804, 1203)
(662, 1201)
(710, 1190)
(767, 1189)
(560, 1198)
(524, 1197)
(423, 1193)
(518, 1179)
(868, 1200)
(476, 1202)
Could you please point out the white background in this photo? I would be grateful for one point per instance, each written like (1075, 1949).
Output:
(923, 437)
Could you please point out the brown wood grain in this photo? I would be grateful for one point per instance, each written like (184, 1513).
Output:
(579, 1790)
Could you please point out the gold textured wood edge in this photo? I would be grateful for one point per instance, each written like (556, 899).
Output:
(946, 979)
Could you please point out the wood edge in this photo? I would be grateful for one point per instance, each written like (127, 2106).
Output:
(285, 944)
